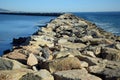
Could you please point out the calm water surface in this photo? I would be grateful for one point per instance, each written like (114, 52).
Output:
(15, 26)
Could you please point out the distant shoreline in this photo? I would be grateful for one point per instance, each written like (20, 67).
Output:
(32, 14)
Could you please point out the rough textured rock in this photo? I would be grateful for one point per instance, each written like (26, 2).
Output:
(44, 75)
(8, 64)
(62, 64)
(107, 70)
(110, 54)
(13, 74)
(75, 75)
(40, 75)
(17, 54)
(32, 60)
(66, 53)
(73, 45)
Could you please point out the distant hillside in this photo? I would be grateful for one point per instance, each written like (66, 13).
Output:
(3, 9)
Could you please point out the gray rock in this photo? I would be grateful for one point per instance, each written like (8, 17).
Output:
(8, 64)
(46, 52)
(5, 64)
(81, 74)
(110, 54)
(107, 70)
(43, 74)
(30, 76)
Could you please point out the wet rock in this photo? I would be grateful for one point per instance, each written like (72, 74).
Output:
(81, 74)
(62, 64)
(20, 41)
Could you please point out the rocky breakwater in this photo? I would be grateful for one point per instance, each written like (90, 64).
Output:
(68, 48)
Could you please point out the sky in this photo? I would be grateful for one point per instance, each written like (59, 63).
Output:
(61, 5)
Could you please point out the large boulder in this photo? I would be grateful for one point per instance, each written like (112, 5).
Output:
(62, 64)
(8, 64)
(107, 70)
(13, 74)
(40, 75)
(81, 74)
(66, 53)
(17, 54)
(42, 40)
(110, 54)
(71, 45)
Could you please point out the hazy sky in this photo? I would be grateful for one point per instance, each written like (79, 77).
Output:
(61, 5)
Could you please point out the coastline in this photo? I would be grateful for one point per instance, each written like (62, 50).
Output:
(30, 13)
(68, 40)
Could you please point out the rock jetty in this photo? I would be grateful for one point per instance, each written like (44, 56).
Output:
(67, 48)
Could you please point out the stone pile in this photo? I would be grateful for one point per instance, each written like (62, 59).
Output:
(68, 48)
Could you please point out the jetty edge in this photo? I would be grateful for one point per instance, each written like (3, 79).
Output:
(68, 48)
(32, 13)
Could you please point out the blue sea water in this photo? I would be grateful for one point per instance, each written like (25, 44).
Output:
(15, 26)
(109, 21)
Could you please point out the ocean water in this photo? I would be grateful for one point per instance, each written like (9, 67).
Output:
(109, 21)
(15, 26)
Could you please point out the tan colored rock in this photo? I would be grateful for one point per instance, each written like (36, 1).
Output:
(62, 64)
(17, 54)
(42, 40)
(66, 53)
(117, 46)
(32, 60)
(39, 75)
(60, 41)
(84, 64)
(85, 38)
(13, 74)
(89, 53)
(81, 74)
(97, 41)
(73, 45)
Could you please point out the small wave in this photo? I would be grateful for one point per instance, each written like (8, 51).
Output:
(109, 27)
